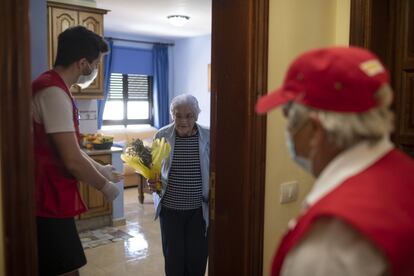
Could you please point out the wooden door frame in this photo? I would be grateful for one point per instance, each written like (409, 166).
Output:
(16, 141)
(238, 137)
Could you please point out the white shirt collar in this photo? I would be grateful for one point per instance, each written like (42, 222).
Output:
(348, 163)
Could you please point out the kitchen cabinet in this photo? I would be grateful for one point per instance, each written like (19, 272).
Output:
(62, 16)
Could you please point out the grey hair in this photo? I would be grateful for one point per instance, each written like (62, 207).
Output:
(187, 100)
(347, 129)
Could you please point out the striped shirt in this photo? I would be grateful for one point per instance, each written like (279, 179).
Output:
(184, 190)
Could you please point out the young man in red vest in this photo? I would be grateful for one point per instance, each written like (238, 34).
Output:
(59, 162)
(358, 219)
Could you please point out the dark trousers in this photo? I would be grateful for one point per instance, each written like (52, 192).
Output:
(59, 248)
(184, 242)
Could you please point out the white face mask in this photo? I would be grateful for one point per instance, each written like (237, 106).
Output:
(305, 163)
(85, 80)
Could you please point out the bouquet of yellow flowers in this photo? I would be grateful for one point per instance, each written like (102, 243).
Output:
(147, 160)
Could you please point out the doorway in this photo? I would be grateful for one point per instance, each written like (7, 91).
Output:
(239, 77)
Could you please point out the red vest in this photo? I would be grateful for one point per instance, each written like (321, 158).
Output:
(57, 193)
(378, 202)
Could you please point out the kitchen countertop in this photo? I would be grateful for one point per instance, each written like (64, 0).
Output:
(99, 152)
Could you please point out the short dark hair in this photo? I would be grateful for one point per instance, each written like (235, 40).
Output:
(76, 43)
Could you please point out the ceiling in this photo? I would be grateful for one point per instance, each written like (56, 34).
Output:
(149, 18)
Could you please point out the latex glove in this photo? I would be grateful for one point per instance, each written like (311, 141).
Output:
(110, 173)
(110, 191)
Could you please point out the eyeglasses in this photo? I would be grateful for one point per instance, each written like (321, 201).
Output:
(286, 108)
(186, 117)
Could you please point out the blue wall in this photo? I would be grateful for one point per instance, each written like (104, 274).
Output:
(131, 60)
(191, 59)
(38, 36)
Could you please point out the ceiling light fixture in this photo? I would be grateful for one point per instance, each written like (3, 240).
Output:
(178, 20)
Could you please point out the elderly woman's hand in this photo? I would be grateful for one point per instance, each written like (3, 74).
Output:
(152, 183)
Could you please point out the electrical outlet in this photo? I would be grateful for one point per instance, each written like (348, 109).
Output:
(289, 192)
(83, 115)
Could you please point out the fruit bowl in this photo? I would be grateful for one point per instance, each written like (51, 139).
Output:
(102, 146)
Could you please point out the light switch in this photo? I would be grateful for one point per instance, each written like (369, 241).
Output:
(289, 191)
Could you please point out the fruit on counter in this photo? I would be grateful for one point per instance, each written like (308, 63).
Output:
(103, 139)
(95, 138)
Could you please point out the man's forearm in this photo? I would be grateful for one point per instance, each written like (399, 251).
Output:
(93, 162)
(85, 171)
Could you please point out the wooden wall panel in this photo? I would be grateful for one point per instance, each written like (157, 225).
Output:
(407, 106)
(403, 74)
(388, 30)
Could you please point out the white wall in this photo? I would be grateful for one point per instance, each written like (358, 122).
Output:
(88, 3)
(191, 59)
(88, 114)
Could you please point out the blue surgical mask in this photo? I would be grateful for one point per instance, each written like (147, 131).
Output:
(305, 163)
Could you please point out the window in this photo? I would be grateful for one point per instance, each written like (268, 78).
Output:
(129, 101)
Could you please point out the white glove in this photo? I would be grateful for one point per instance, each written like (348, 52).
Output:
(110, 173)
(110, 191)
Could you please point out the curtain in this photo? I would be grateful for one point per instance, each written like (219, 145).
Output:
(160, 85)
(107, 77)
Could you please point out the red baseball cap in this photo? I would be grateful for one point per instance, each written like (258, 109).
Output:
(340, 79)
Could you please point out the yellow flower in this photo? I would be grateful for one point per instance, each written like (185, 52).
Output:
(160, 150)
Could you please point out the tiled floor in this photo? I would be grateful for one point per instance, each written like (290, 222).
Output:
(140, 255)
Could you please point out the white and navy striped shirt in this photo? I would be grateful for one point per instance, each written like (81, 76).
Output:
(184, 190)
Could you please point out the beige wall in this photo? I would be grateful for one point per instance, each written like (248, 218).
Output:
(294, 26)
(343, 13)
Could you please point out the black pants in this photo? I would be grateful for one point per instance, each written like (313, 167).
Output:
(184, 242)
(59, 247)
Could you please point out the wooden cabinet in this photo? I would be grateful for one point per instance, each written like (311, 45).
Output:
(94, 199)
(62, 16)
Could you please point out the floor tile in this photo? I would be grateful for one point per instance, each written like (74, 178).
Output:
(139, 255)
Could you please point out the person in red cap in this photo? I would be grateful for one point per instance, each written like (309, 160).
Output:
(59, 162)
(358, 219)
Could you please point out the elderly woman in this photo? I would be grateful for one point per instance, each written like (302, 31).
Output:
(183, 205)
